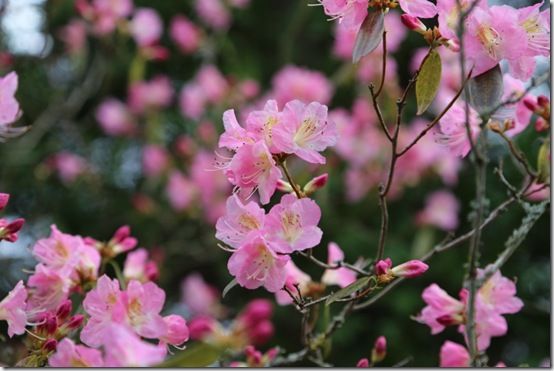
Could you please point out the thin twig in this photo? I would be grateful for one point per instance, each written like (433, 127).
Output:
(384, 69)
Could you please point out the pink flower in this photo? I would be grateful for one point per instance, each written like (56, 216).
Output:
(255, 321)
(106, 13)
(74, 35)
(350, 13)
(114, 118)
(342, 276)
(492, 35)
(239, 222)
(449, 15)
(305, 131)
(177, 330)
(213, 13)
(155, 160)
(106, 306)
(146, 27)
(180, 191)
(441, 309)
(144, 303)
(8, 230)
(122, 241)
(253, 168)
(12, 310)
(68, 165)
(235, 136)
(363, 363)
(202, 326)
(453, 355)
(418, 8)
(291, 225)
(293, 82)
(156, 93)
(519, 113)
(192, 101)
(9, 107)
(48, 288)
(262, 123)
(453, 132)
(441, 210)
(123, 348)
(295, 278)
(212, 83)
(139, 267)
(537, 192)
(70, 355)
(255, 264)
(185, 34)
(199, 296)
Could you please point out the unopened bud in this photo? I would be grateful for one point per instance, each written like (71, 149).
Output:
(363, 363)
(284, 186)
(50, 345)
(530, 103)
(316, 183)
(413, 23)
(543, 101)
(379, 350)
(15, 225)
(64, 310)
(453, 45)
(450, 319)
(4, 198)
(410, 269)
(383, 266)
(51, 325)
(76, 321)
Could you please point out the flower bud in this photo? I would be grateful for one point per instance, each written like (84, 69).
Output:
(410, 269)
(200, 327)
(383, 266)
(530, 103)
(75, 322)
(413, 23)
(256, 311)
(453, 45)
(4, 198)
(451, 319)
(64, 310)
(177, 330)
(50, 345)
(363, 363)
(51, 325)
(284, 186)
(379, 350)
(543, 101)
(316, 183)
(261, 333)
(151, 271)
(541, 125)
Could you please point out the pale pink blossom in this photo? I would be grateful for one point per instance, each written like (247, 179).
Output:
(253, 168)
(146, 27)
(144, 303)
(418, 8)
(212, 83)
(255, 264)
(441, 309)
(105, 14)
(350, 13)
(454, 355)
(518, 112)
(291, 225)
(199, 296)
(177, 331)
(262, 123)
(305, 131)
(68, 354)
(155, 159)
(240, 222)
(123, 348)
(9, 107)
(296, 278)
(441, 210)
(453, 131)
(213, 13)
(74, 36)
(154, 94)
(138, 266)
(192, 101)
(180, 191)
(341, 276)
(114, 118)
(235, 136)
(69, 166)
(12, 310)
(47, 289)
(293, 82)
(185, 34)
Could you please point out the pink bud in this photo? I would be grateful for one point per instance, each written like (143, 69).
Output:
(379, 350)
(15, 225)
(261, 333)
(272, 353)
(363, 363)
(151, 271)
(541, 125)
(383, 266)
(284, 186)
(543, 101)
(50, 345)
(76, 321)
(122, 233)
(316, 183)
(413, 23)
(51, 325)
(450, 319)
(257, 310)
(453, 45)
(201, 326)
(64, 310)
(177, 330)
(4, 198)
(410, 269)
(530, 103)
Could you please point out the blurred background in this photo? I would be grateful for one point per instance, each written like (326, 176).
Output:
(123, 131)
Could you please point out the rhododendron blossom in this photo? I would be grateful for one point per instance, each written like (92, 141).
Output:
(240, 222)
(68, 354)
(341, 276)
(453, 131)
(9, 107)
(12, 310)
(350, 13)
(454, 355)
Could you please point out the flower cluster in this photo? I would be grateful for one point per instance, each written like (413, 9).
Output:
(116, 320)
(495, 298)
(262, 242)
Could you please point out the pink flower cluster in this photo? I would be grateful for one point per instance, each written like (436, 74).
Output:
(115, 320)
(495, 298)
(261, 242)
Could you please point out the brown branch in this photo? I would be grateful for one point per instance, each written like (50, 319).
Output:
(384, 65)
(378, 112)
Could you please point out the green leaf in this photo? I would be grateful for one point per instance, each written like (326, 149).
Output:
(543, 163)
(370, 34)
(229, 286)
(197, 355)
(428, 80)
(485, 90)
(359, 284)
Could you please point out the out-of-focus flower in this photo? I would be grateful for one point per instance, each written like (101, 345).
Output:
(9, 107)
(363, 363)
(12, 310)
(146, 27)
(154, 94)
(213, 13)
(139, 267)
(185, 34)
(293, 82)
(441, 210)
(74, 36)
(341, 276)
(454, 355)
(200, 297)
(69, 166)
(180, 191)
(68, 354)
(123, 348)
(114, 118)
(453, 132)
(155, 160)
(379, 350)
